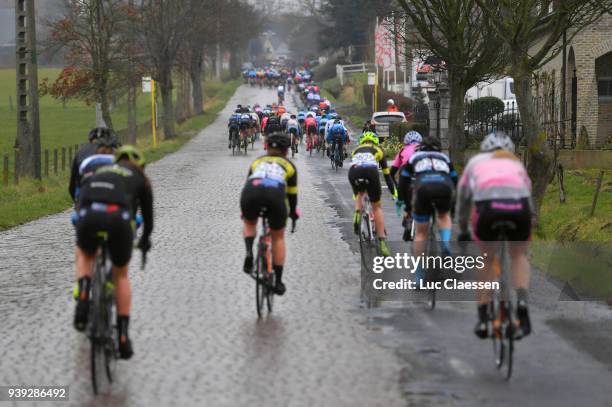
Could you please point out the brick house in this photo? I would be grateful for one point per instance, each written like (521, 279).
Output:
(586, 90)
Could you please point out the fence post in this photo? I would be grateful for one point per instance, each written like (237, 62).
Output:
(16, 168)
(596, 195)
(69, 155)
(63, 158)
(55, 161)
(46, 162)
(561, 185)
(6, 170)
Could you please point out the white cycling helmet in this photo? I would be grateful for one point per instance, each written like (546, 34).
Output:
(413, 137)
(497, 140)
(390, 102)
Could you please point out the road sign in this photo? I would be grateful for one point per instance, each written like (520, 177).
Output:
(371, 78)
(146, 84)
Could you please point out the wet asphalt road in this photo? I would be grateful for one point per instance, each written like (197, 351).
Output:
(195, 331)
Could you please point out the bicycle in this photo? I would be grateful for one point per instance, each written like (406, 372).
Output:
(293, 144)
(244, 141)
(264, 276)
(336, 158)
(431, 250)
(101, 331)
(235, 142)
(500, 310)
(367, 227)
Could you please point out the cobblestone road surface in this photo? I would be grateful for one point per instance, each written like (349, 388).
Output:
(197, 338)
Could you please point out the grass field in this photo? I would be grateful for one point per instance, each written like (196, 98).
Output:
(33, 199)
(61, 126)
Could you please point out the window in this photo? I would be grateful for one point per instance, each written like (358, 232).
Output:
(604, 88)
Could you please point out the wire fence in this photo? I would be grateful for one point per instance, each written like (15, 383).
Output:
(54, 162)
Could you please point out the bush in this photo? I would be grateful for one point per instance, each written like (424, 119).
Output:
(325, 71)
(484, 108)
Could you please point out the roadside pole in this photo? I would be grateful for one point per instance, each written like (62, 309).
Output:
(153, 114)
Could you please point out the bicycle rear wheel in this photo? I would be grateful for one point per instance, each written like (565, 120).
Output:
(259, 283)
(97, 330)
(270, 282)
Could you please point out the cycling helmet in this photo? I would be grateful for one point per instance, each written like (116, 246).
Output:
(108, 140)
(278, 140)
(497, 140)
(99, 132)
(413, 137)
(390, 102)
(293, 116)
(368, 137)
(430, 143)
(131, 153)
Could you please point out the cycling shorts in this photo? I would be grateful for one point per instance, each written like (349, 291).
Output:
(118, 226)
(366, 179)
(311, 130)
(431, 192)
(486, 213)
(265, 193)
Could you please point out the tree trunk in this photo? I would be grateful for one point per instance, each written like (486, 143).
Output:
(195, 73)
(167, 106)
(105, 107)
(539, 154)
(132, 127)
(456, 133)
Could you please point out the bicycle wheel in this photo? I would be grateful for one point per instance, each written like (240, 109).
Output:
(270, 282)
(96, 333)
(259, 283)
(432, 274)
(110, 350)
(509, 348)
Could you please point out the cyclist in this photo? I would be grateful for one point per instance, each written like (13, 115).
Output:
(369, 126)
(271, 181)
(495, 187)
(364, 166)
(293, 128)
(84, 151)
(337, 137)
(273, 124)
(284, 120)
(280, 91)
(431, 176)
(310, 124)
(233, 126)
(109, 201)
(411, 141)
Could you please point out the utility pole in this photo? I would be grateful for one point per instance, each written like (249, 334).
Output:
(27, 143)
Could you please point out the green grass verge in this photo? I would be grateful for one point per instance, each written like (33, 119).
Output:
(571, 245)
(62, 125)
(32, 199)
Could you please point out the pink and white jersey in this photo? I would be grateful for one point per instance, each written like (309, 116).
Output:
(404, 155)
(489, 176)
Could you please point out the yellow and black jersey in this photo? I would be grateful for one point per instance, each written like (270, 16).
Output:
(276, 169)
(370, 155)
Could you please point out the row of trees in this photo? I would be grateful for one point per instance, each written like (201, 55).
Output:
(478, 39)
(110, 44)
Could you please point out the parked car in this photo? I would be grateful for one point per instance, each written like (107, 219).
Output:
(382, 121)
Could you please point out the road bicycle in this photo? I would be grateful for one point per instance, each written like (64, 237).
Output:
(293, 143)
(264, 276)
(367, 227)
(432, 250)
(235, 142)
(244, 141)
(101, 331)
(336, 156)
(501, 315)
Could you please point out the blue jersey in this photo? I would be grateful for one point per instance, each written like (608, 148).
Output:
(336, 129)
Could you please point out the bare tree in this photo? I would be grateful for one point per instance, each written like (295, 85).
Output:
(531, 31)
(91, 32)
(163, 26)
(459, 34)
